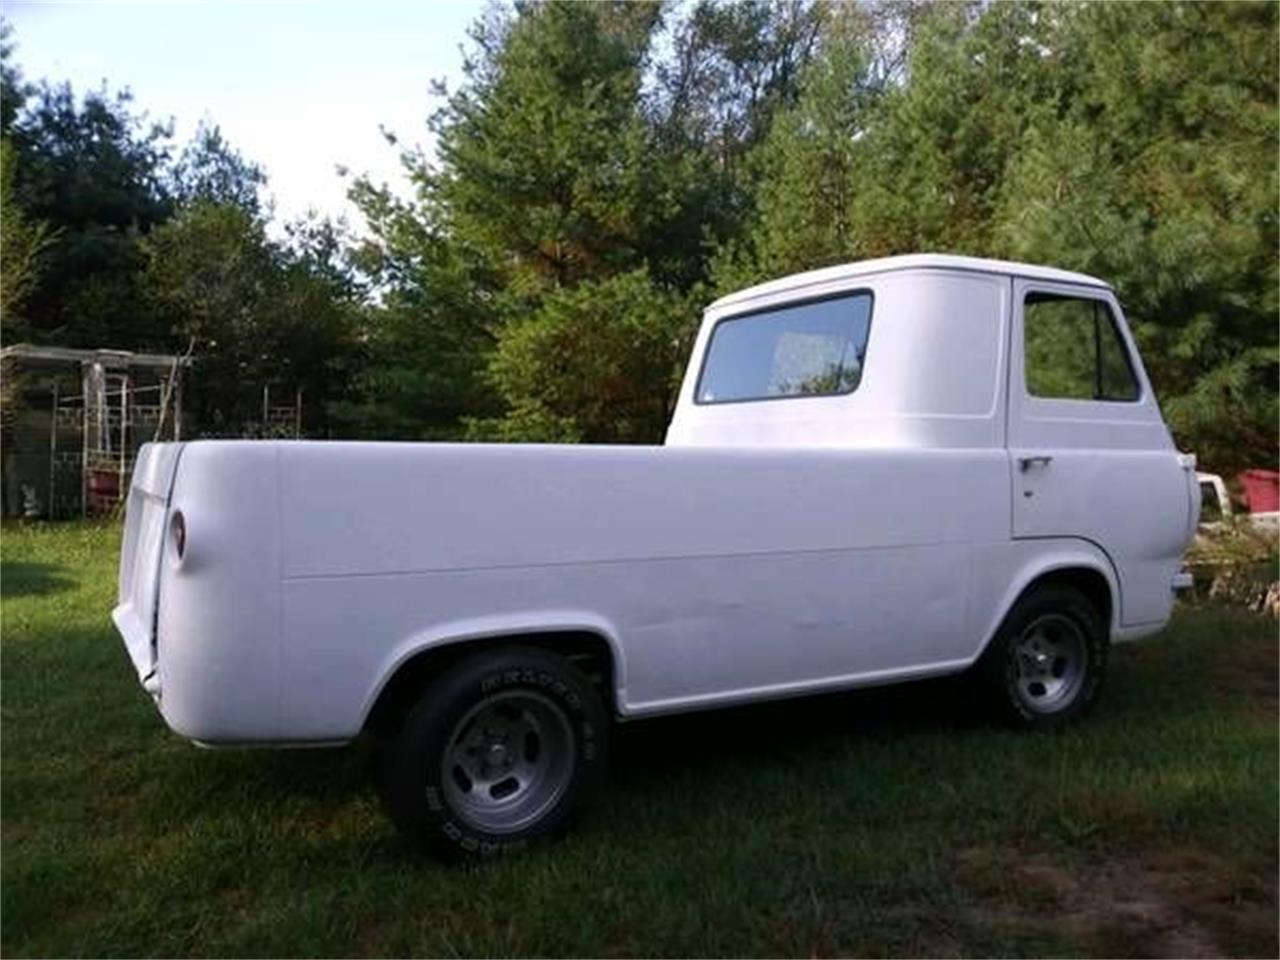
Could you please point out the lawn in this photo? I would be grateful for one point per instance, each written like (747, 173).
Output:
(889, 822)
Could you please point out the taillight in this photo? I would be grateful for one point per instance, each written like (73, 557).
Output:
(178, 533)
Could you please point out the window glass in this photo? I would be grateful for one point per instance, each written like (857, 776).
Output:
(1210, 507)
(806, 349)
(1074, 351)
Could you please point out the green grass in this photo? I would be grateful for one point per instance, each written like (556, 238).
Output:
(870, 824)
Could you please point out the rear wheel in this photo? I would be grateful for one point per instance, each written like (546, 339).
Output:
(504, 747)
(1046, 665)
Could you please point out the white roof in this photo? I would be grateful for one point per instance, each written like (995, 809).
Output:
(914, 261)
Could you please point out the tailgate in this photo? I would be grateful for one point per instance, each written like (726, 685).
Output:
(139, 587)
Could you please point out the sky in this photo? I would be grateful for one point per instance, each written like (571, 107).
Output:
(299, 88)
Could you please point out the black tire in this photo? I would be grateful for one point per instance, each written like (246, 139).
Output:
(441, 775)
(1045, 630)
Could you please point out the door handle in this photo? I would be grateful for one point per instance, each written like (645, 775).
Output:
(1026, 463)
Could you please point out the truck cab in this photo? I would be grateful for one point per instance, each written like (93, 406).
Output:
(964, 354)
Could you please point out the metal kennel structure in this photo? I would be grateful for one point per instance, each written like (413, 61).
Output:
(73, 421)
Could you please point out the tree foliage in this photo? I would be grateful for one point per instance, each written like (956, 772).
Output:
(599, 362)
(23, 245)
(253, 315)
(427, 341)
(210, 168)
(546, 163)
(91, 168)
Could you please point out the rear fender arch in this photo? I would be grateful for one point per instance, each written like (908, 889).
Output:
(513, 626)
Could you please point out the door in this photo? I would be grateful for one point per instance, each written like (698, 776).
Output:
(1089, 452)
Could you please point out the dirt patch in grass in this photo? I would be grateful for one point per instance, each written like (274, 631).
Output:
(1177, 903)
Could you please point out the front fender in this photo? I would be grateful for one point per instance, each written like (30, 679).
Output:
(1028, 562)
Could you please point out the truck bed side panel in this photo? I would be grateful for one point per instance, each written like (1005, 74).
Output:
(721, 574)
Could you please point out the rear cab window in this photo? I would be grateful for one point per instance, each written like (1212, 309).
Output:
(811, 349)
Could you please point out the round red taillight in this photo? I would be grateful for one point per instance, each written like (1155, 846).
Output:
(178, 533)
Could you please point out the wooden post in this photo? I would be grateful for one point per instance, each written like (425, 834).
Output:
(177, 406)
(124, 426)
(297, 414)
(53, 450)
(84, 440)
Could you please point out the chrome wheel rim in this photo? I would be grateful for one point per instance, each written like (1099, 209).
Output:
(508, 761)
(1051, 658)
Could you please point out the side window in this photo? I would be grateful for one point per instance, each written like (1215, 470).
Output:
(804, 349)
(1210, 507)
(1074, 351)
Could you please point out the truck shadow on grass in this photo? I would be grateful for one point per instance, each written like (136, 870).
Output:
(788, 732)
(650, 753)
(20, 578)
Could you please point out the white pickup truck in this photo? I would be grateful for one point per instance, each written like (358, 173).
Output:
(888, 470)
(1217, 512)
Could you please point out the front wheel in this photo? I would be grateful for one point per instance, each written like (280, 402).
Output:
(1046, 664)
(504, 747)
